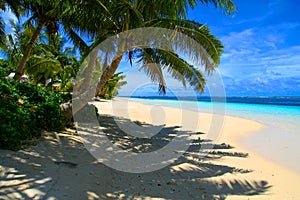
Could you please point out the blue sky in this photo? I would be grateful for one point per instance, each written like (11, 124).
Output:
(261, 55)
(262, 49)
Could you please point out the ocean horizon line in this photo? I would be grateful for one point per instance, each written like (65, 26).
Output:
(265, 100)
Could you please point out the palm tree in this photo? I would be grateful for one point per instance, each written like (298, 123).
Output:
(14, 44)
(48, 60)
(93, 20)
(43, 13)
(51, 61)
(136, 14)
(15, 7)
(126, 15)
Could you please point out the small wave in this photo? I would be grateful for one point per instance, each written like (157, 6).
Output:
(269, 100)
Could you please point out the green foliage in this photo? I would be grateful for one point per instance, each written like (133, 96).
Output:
(51, 62)
(4, 68)
(14, 44)
(111, 88)
(26, 110)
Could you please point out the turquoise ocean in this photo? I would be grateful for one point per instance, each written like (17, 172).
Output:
(278, 142)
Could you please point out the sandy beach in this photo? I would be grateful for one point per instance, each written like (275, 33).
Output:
(60, 167)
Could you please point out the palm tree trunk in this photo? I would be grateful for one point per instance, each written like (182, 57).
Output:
(88, 74)
(20, 69)
(69, 109)
(103, 92)
(108, 73)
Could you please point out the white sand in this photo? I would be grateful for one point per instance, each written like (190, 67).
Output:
(61, 168)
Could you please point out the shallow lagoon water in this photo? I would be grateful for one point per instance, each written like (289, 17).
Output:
(279, 141)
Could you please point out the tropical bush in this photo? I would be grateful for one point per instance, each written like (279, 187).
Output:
(36, 49)
(26, 110)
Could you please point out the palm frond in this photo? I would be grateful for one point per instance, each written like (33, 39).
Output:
(16, 7)
(227, 6)
(2, 31)
(194, 40)
(152, 68)
(178, 68)
(76, 39)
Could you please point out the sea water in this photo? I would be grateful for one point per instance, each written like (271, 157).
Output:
(279, 141)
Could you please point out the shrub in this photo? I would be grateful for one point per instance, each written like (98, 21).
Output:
(26, 110)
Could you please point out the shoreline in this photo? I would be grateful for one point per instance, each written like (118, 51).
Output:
(60, 167)
(285, 179)
(267, 134)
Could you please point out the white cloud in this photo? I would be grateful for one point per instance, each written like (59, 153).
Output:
(258, 60)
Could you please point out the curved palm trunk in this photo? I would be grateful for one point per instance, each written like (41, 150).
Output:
(103, 92)
(68, 109)
(108, 73)
(20, 69)
(88, 75)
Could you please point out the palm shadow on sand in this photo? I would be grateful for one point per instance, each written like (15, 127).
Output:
(61, 168)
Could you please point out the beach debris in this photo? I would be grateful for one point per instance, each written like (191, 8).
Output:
(172, 182)
(203, 196)
(172, 191)
(66, 163)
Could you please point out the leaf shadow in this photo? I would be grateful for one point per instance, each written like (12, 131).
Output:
(60, 167)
